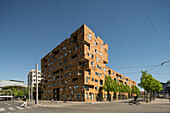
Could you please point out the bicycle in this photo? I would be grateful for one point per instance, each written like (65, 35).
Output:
(134, 102)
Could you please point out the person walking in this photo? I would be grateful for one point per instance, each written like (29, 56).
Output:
(25, 102)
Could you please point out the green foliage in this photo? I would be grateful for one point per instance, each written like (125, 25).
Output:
(135, 89)
(149, 84)
(108, 86)
(17, 91)
(122, 88)
(127, 88)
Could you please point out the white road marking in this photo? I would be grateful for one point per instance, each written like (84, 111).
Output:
(2, 109)
(19, 107)
(11, 108)
(28, 107)
(8, 104)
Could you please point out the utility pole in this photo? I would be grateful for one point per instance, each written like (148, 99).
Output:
(29, 85)
(36, 99)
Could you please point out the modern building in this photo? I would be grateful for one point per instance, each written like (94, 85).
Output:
(32, 81)
(76, 69)
(165, 93)
(4, 83)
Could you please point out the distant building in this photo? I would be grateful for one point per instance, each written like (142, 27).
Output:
(166, 90)
(32, 81)
(4, 83)
(32, 77)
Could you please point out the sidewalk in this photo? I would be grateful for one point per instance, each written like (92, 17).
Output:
(158, 101)
(44, 103)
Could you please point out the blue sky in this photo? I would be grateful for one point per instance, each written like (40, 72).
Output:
(29, 29)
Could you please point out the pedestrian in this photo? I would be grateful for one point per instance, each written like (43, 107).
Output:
(25, 102)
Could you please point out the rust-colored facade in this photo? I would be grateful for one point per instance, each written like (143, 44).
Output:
(75, 70)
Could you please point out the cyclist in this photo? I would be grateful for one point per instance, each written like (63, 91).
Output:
(135, 99)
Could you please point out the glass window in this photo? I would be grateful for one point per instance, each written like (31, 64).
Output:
(88, 54)
(96, 80)
(89, 36)
(60, 56)
(65, 54)
(92, 63)
(89, 96)
(95, 43)
(92, 96)
(64, 48)
(80, 53)
(86, 96)
(70, 51)
(69, 66)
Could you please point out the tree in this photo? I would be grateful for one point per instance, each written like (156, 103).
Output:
(156, 88)
(127, 89)
(135, 89)
(149, 84)
(115, 88)
(108, 86)
(122, 88)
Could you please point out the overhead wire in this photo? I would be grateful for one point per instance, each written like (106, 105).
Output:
(63, 14)
(153, 26)
(74, 20)
(134, 67)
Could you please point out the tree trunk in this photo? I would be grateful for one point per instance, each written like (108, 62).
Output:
(108, 95)
(115, 95)
(153, 95)
(150, 99)
(147, 97)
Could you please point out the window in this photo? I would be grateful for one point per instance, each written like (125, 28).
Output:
(92, 55)
(86, 95)
(92, 79)
(60, 50)
(65, 68)
(65, 54)
(96, 80)
(69, 66)
(101, 54)
(64, 48)
(92, 63)
(89, 36)
(61, 64)
(60, 56)
(80, 53)
(76, 71)
(101, 82)
(92, 96)
(96, 88)
(89, 96)
(70, 51)
(88, 54)
(96, 73)
(65, 61)
(106, 50)
(104, 69)
(58, 59)
(95, 43)
(97, 59)
(87, 79)
(101, 46)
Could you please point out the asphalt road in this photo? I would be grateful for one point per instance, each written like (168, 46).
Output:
(118, 107)
(11, 106)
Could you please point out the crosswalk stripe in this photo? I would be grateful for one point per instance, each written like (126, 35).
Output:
(11, 108)
(19, 107)
(2, 109)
